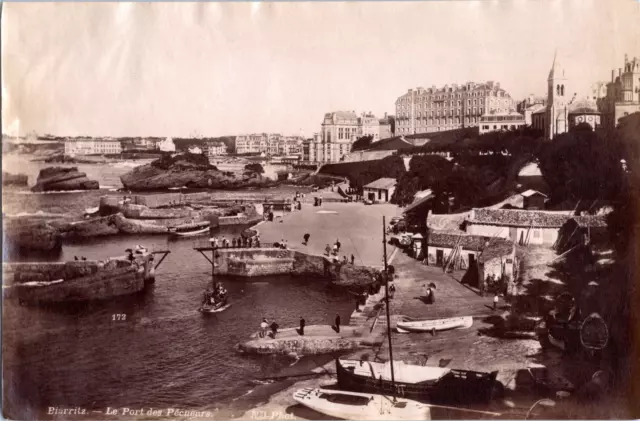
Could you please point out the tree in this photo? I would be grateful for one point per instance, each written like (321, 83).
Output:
(362, 143)
(254, 168)
(425, 172)
(582, 165)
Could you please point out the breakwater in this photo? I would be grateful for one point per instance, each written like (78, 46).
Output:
(55, 282)
(267, 261)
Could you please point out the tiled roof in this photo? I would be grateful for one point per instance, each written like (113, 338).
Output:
(445, 239)
(597, 221)
(541, 110)
(417, 203)
(382, 183)
(496, 249)
(518, 218)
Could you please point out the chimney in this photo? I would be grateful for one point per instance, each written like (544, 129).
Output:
(613, 75)
(385, 115)
(619, 71)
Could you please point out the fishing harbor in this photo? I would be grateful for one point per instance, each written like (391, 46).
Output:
(439, 339)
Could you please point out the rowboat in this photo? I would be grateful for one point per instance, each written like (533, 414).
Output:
(435, 324)
(189, 230)
(214, 308)
(361, 406)
(421, 383)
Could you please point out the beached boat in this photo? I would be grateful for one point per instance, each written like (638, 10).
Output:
(189, 230)
(422, 383)
(361, 406)
(435, 325)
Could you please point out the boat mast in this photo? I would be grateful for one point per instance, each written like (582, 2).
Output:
(386, 296)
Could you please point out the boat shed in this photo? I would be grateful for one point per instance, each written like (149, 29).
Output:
(380, 190)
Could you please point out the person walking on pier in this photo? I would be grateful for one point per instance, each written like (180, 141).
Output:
(306, 238)
(263, 328)
(302, 324)
(233, 242)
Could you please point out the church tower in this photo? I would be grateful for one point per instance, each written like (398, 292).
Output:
(556, 121)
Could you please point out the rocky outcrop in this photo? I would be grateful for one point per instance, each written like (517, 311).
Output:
(31, 235)
(14, 179)
(88, 228)
(187, 171)
(58, 178)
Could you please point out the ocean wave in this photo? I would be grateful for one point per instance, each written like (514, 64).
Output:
(50, 192)
(127, 164)
(38, 213)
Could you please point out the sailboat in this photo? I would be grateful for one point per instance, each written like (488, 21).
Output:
(366, 406)
(367, 396)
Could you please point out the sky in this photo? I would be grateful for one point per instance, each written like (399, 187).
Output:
(212, 69)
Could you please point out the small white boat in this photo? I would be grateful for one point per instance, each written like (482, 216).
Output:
(89, 211)
(189, 230)
(214, 309)
(436, 324)
(361, 406)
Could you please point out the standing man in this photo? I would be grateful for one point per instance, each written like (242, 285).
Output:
(263, 328)
(338, 244)
(337, 323)
(302, 324)
(306, 238)
(495, 301)
(353, 259)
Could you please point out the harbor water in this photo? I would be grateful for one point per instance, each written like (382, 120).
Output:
(154, 349)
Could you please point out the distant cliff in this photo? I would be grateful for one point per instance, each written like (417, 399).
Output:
(59, 178)
(187, 170)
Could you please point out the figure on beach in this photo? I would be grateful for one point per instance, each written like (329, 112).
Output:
(306, 238)
(327, 250)
(353, 259)
(263, 328)
(302, 324)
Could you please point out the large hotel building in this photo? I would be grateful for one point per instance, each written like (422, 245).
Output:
(451, 107)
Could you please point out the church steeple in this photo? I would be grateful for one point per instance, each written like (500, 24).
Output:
(557, 104)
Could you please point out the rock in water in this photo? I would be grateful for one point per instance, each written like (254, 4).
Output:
(31, 236)
(14, 179)
(58, 178)
(190, 170)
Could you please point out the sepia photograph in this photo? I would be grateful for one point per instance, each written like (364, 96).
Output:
(300, 210)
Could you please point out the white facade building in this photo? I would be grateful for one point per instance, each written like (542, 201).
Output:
(92, 146)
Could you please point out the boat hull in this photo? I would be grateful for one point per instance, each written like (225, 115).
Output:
(368, 407)
(437, 325)
(189, 233)
(209, 310)
(455, 386)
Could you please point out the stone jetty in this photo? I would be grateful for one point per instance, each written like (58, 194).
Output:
(9, 179)
(317, 339)
(59, 282)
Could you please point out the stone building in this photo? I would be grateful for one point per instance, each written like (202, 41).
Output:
(563, 111)
(385, 127)
(91, 146)
(623, 93)
(497, 261)
(495, 122)
(434, 109)
(269, 143)
(380, 190)
(338, 131)
(530, 105)
(526, 227)
(214, 148)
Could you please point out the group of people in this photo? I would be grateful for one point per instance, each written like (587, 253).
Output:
(271, 329)
(240, 242)
(216, 295)
(268, 329)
